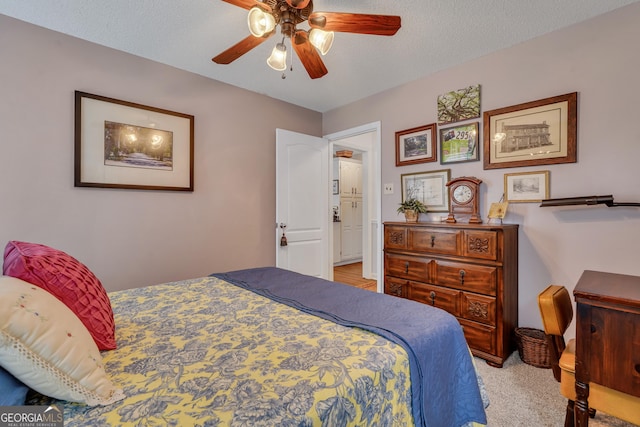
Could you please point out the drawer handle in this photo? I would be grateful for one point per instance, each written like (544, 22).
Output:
(432, 295)
(406, 267)
(433, 241)
(637, 367)
(462, 274)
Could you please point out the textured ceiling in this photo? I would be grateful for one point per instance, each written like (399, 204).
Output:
(435, 35)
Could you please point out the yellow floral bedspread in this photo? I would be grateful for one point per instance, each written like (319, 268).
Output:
(204, 352)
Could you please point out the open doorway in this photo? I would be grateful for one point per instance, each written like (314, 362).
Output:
(359, 205)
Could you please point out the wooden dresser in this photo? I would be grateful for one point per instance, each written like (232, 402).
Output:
(469, 270)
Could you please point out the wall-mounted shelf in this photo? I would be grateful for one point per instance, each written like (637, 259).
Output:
(588, 200)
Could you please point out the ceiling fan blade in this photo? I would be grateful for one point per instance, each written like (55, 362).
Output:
(239, 49)
(245, 4)
(308, 55)
(382, 25)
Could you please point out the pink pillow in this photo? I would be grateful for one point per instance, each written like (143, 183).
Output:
(68, 280)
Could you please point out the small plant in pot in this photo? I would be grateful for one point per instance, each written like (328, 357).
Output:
(412, 208)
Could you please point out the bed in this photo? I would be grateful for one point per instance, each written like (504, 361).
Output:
(267, 347)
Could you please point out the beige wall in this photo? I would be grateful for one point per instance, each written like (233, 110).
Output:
(599, 59)
(134, 238)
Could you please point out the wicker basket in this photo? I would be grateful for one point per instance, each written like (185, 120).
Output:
(532, 347)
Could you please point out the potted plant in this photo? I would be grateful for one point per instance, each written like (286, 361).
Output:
(412, 208)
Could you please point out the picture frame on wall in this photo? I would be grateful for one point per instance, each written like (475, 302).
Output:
(416, 145)
(459, 105)
(526, 187)
(541, 132)
(428, 187)
(459, 144)
(121, 144)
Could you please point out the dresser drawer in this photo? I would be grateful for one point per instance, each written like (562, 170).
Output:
(480, 244)
(435, 241)
(479, 337)
(407, 267)
(473, 278)
(479, 308)
(396, 287)
(395, 237)
(446, 299)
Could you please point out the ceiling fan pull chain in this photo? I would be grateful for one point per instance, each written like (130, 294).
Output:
(291, 64)
(284, 72)
(284, 76)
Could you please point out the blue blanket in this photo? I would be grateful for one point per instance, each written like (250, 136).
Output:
(445, 389)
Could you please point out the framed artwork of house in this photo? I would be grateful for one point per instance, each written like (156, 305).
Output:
(541, 132)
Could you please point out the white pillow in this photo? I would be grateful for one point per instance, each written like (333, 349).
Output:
(46, 346)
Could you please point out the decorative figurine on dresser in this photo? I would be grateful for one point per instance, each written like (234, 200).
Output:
(469, 269)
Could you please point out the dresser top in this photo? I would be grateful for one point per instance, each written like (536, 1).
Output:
(597, 286)
(454, 225)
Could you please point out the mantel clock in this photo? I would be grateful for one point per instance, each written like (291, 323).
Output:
(464, 199)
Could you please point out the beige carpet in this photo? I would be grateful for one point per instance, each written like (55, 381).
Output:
(523, 395)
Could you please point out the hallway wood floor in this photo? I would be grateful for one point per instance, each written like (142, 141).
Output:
(351, 274)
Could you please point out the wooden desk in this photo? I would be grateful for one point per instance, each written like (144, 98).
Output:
(607, 336)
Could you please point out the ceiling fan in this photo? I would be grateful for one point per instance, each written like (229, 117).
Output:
(266, 15)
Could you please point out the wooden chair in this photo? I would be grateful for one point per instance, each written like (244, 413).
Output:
(556, 310)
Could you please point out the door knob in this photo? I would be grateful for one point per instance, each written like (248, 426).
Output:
(283, 239)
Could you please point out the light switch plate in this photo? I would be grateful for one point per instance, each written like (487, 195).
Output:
(388, 189)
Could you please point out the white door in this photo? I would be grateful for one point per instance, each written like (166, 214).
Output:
(357, 227)
(302, 203)
(346, 181)
(351, 222)
(346, 223)
(357, 178)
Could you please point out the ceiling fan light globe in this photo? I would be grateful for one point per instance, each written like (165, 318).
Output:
(322, 40)
(278, 58)
(260, 22)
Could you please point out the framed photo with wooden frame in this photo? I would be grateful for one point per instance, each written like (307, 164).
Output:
(459, 144)
(541, 132)
(120, 144)
(526, 187)
(416, 145)
(428, 187)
